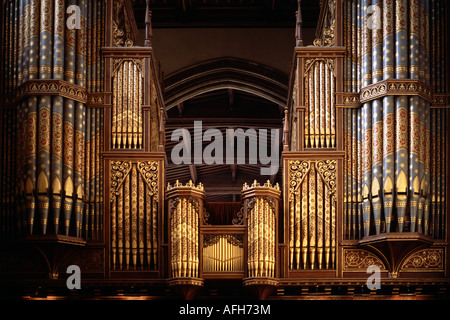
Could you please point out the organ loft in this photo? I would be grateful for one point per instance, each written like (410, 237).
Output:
(348, 99)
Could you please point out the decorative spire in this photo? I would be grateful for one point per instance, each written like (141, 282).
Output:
(298, 30)
(148, 25)
(286, 130)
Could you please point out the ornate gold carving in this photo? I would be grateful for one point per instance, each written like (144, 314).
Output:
(95, 100)
(440, 101)
(149, 171)
(189, 184)
(359, 260)
(348, 100)
(396, 87)
(327, 38)
(119, 170)
(122, 31)
(297, 172)
(327, 169)
(392, 87)
(49, 87)
(239, 220)
(427, 259)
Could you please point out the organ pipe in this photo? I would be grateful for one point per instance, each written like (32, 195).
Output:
(134, 215)
(399, 138)
(46, 61)
(261, 203)
(185, 205)
(312, 214)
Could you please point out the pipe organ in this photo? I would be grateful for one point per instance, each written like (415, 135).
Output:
(390, 139)
(364, 165)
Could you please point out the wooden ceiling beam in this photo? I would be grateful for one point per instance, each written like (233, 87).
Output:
(193, 172)
(233, 168)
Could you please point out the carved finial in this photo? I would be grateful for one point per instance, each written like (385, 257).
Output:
(286, 130)
(148, 25)
(298, 30)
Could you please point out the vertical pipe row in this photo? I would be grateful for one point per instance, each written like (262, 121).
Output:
(398, 191)
(126, 126)
(261, 234)
(222, 253)
(319, 89)
(133, 219)
(184, 229)
(51, 130)
(313, 234)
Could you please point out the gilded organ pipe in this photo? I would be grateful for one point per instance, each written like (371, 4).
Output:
(44, 62)
(185, 203)
(313, 186)
(134, 199)
(319, 90)
(397, 140)
(126, 125)
(261, 203)
(223, 253)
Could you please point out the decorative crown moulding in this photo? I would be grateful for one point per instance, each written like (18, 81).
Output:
(129, 52)
(256, 185)
(322, 52)
(394, 87)
(95, 100)
(50, 87)
(190, 184)
(53, 87)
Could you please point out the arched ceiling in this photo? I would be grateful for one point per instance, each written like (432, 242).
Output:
(225, 73)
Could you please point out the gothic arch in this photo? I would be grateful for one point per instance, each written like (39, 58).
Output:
(226, 73)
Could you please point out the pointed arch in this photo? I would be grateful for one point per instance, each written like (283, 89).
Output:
(226, 73)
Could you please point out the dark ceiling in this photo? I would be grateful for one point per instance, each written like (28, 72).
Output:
(226, 13)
